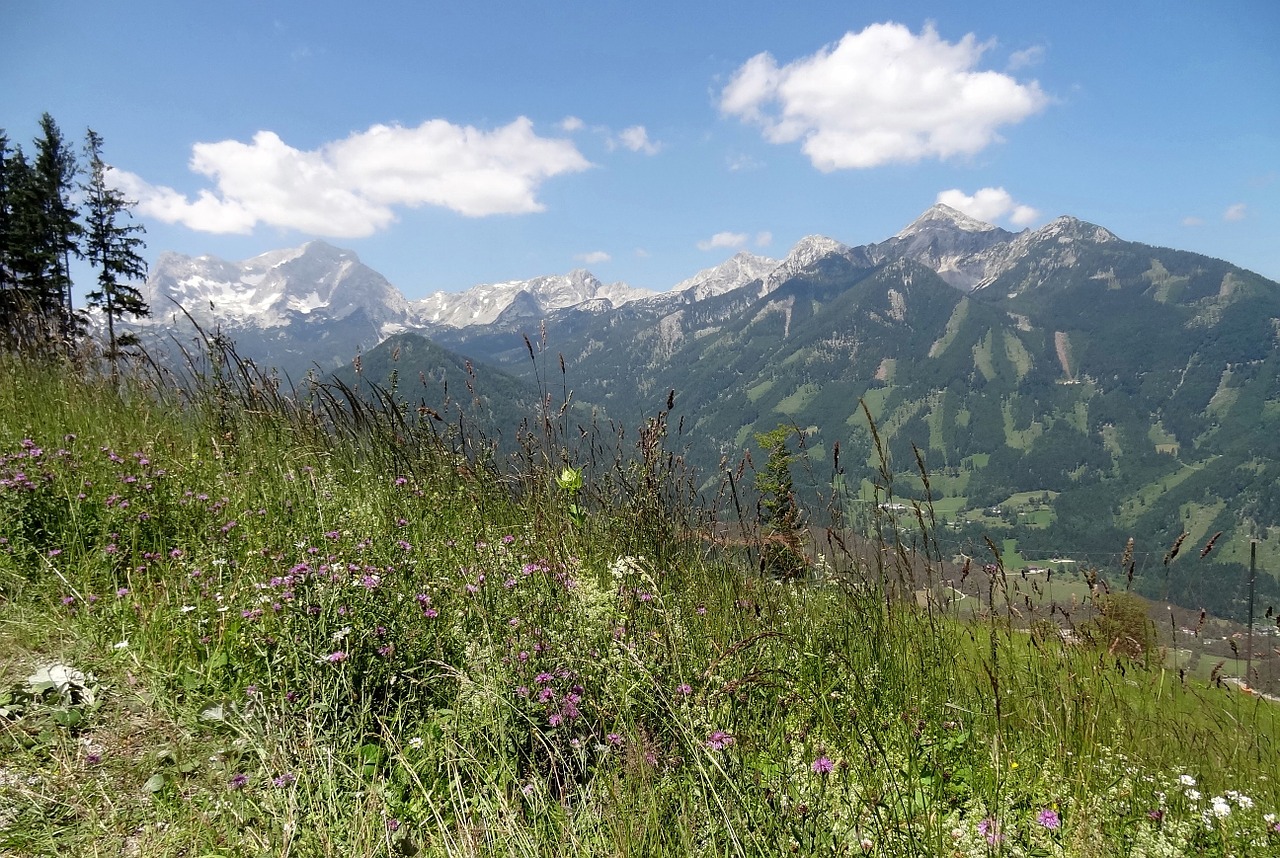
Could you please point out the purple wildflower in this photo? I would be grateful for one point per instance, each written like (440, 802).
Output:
(822, 765)
(336, 657)
(990, 829)
(719, 740)
(239, 781)
(1049, 818)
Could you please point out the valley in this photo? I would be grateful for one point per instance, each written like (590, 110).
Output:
(1130, 390)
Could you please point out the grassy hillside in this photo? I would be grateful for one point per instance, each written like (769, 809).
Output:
(231, 627)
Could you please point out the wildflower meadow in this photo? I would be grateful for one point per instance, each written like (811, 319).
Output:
(234, 626)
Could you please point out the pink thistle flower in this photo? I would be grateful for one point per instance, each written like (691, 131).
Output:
(990, 829)
(336, 657)
(1048, 818)
(719, 740)
(822, 765)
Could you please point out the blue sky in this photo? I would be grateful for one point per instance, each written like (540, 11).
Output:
(457, 143)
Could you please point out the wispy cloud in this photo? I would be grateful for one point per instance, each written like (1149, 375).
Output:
(352, 187)
(990, 205)
(764, 239)
(1235, 212)
(1026, 58)
(1192, 220)
(593, 258)
(739, 163)
(880, 96)
(571, 124)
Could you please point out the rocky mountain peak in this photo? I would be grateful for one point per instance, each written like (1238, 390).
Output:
(739, 270)
(940, 216)
(806, 251)
(1066, 229)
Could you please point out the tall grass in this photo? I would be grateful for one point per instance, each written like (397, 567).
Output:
(316, 626)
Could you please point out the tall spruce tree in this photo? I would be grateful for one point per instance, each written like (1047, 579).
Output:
(112, 247)
(53, 174)
(22, 324)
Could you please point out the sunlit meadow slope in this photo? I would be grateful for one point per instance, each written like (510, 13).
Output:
(233, 627)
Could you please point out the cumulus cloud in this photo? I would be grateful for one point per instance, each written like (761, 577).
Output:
(990, 205)
(636, 138)
(1235, 212)
(571, 124)
(880, 96)
(724, 239)
(594, 257)
(351, 187)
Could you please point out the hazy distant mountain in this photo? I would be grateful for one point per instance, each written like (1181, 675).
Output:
(482, 305)
(275, 289)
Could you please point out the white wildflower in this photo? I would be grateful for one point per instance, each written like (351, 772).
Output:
(1242, 801)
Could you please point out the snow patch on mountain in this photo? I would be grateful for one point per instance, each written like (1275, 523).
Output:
(270, 290)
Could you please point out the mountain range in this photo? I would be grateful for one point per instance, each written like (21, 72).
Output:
(1067, 389)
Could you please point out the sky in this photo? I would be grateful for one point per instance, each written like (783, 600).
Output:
(456, 143)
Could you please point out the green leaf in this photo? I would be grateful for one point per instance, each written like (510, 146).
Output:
(155, 783)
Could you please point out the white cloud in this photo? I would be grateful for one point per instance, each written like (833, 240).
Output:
(571, 124)
(1192, 220)
(594, 257)
(724, 239)
(1235, 212)
(1026, 58)
(636, 138)
(764, 239)
(738, 163)
(880, 96)
(351, 187)
(990, 205)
